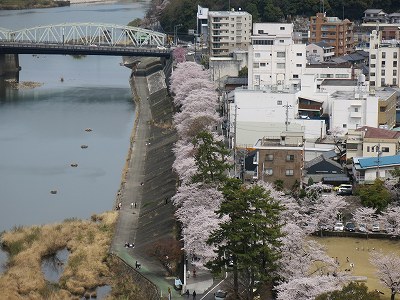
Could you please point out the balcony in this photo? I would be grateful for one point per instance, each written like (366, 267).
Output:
(310, 107)
(355, 114)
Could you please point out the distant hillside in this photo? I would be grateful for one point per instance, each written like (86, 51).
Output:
(184, 11)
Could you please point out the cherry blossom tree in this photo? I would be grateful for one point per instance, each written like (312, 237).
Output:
(302, 257)
(307, 288)
(179, 54)
(184, 164)
(197, 204)
(191, 84)
(364, 215)
(391, 219)
(186, 70)
(388, 270)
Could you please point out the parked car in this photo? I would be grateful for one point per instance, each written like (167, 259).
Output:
(220, 295)
(362, 228)
(350, 226)
(375, 228)
(324, 227)
(345, 189)
(338, 226)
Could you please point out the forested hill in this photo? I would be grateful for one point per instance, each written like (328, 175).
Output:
(184, 11)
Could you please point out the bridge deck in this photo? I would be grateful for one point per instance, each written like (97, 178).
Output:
(43, 48)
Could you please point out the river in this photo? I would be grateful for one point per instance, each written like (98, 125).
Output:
(42, 129)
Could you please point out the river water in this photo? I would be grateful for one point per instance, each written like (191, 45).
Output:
(42, 129)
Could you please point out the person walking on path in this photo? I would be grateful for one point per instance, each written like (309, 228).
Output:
(194, 295)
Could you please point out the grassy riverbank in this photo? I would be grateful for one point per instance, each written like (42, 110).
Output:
(88, 265)
(25, 4)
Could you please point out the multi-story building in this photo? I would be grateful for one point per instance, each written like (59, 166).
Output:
(387, 108)
(228, 31)
(383, 61)
(366, 170)
(375, 15)
(333, 31)
(281, 158)
(274, 59)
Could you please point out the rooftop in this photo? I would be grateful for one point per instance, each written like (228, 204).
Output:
(372, 132)
(371, 162)
(228, 13)
(373, 11)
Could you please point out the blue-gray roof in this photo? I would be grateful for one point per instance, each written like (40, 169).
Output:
(372, 162)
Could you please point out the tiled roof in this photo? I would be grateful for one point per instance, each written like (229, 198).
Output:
(370, 162)
(372, 132)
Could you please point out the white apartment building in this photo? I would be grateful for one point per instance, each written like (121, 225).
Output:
(274, 59)
(228, 31)
(258, 112)
(384, 64)
(350, 104)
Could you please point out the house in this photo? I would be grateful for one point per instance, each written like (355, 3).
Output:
(368, 141)
(319, 52)
(366, 170)
(375, 15)
(322, 168)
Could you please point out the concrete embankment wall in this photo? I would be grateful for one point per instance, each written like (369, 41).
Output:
(9, 64)
(156, 220)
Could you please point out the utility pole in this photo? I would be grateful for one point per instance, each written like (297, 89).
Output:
(378, 148)
(234, 142)
(287, 115)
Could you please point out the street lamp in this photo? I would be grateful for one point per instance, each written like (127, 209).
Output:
(176, 33)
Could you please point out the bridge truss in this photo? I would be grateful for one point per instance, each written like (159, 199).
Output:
(89, 34)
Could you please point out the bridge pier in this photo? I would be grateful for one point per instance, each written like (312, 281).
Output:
(9, 64)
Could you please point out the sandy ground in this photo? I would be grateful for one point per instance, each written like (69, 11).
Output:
(358, 250)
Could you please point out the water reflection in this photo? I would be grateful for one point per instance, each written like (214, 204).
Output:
(53, 266)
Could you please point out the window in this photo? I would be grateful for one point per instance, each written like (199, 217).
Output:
(290, 157)
(299, 65)
(281, 41)
(279, 102)
(299, 54)
(355, 109)
(395, 63)
(314, 51)
(372, 65)
(280, 65)
(268, 172)
(373, 56)
(368, 149)
(350, 146)
(342, 75)
(263, 42)
(394, 72)
(383, 54)
(289, 172)
(280, 54)
(372, 74)
(282, 28)
(383, 64)
(394, 54)
(344, 125)
(260, 31)
(256, 65)
(295, 76)
(382, 109)
(262, 64)
(269, 157)
(257, 54)
(385, 149)
(394, 81)
(383, 72)
(372, 83)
